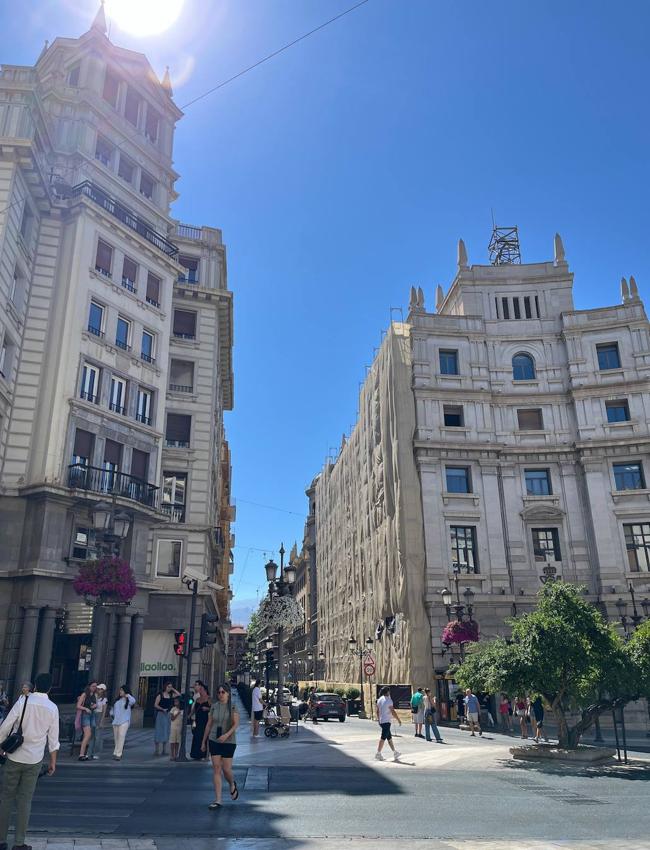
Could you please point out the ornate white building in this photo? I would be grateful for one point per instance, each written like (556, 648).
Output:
(115, 370)
(502, 434)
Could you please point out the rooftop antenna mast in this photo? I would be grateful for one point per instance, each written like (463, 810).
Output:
(504, 246)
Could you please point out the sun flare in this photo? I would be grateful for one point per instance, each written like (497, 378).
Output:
(143, 17)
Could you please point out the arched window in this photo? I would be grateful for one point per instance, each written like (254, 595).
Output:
(523, 368)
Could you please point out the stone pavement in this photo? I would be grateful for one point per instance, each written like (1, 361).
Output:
(217, 843)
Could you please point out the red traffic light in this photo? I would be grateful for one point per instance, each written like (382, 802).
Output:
(179, 645)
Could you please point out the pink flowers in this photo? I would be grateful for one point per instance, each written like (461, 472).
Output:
(460, 632)
(108, 579)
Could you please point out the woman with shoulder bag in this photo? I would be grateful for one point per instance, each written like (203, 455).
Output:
(220, 740)
(121, 713)
(430, 717)
(86, 704)
(200, 714)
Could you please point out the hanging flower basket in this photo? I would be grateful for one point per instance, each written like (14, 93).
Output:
(107, 581)
(281, 611)
(460, 632)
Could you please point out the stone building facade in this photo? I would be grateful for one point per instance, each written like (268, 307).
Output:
(115, 341)
(527, 423)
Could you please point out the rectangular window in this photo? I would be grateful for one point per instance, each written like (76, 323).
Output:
(496, 307)
(84, 546)
(83, 447)
(527, 312)
(104, 258)
(608, 356)
(537, 313)
(546, 544)
(177, 432)
(117, 400)
(111, 89)
(152, 124)
(174, 495)
(168, 560)
(73, 76)
(458, 479)
(129, 274)
(191, 267)
(143, 406)
(147, 352)
(96, 319)
(184, 324)
(140, 464)
(530, 419)
(126, 169)
(453, 415)
(629, 476)
(123, 334)
(131, 107)
(104, 151)
(90, 383)
(26, 224)
(4, 359)
(146, 185)
(111, 465)
(538, 482)
(464, 557)
(448, 362)
(637, 543)
(617, 411)
(181, 376)
(515, 304)
(505, 307)
(153, 289)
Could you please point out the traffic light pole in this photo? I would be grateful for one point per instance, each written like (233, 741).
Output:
(192, 585)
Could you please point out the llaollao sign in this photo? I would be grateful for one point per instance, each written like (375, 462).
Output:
(148, 669)
(157, 657)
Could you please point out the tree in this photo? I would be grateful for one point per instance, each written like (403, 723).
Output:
(639, 652)
(567, 653)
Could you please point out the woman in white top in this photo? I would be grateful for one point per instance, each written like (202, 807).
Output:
(121, 712)
(97, 740)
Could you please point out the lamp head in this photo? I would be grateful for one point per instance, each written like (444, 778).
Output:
(271, 569)
(290, 573)
(121, 525)
(101, 515)
(446, 596)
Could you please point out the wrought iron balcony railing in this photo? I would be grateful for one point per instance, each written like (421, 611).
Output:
(175, 512)
(97, 480)
(130, 219)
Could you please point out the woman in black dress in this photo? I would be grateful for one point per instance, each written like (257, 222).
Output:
(200, 714)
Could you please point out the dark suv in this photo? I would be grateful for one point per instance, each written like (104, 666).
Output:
(330, 706)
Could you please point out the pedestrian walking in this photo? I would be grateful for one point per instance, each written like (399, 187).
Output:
(176, 717)
(417, 711)
(537, 713)
(430, 709)
(257, 708)
(37, 718)
(220, 739)
(472, 711)
(520, 714)
(121, 713)
(313, 705)
(86, 702)
(200, 713)
(385, 715)
(4, 702)
(505, 711)
(97, 739)
(162, 722)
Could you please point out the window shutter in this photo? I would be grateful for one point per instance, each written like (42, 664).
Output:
(83, 443)
(184, 322)
(112, 452)
(178, 427)
(140, 464)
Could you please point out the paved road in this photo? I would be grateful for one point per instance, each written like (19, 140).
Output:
(324, 784)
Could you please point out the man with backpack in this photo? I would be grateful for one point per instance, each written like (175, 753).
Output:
(31, 723)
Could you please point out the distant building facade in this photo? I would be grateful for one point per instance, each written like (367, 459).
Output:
(501, 436)
(115, 371)
(237, 647)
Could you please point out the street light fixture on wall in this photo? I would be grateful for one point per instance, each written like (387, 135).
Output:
(111, 525)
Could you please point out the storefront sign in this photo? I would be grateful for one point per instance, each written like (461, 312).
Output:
(158, 658)
(400, 694)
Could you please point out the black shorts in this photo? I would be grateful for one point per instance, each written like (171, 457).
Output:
(226, 751)
(385, 732)
(257, 715)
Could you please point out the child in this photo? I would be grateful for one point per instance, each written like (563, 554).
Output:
(176, 715)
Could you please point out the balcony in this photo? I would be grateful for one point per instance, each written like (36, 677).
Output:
(147, 357)
(153, 302)
(177, 444)
(123, 345)
(176, 513)
(117, 408)
(140, 417)
(105, 272)
(180, 388)
(96, 480)
(96, 331)
(128, 218)
(128, 284)
(180, 335)
(88, 397)
(190, 278)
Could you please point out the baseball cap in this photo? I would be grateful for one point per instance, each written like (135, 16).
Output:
(101, 687)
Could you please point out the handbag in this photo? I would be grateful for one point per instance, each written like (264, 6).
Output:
(15, 739)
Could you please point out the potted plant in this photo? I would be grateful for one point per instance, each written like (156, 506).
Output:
(458, 631)
(106, 581)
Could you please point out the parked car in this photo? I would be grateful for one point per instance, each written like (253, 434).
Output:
(330, 706)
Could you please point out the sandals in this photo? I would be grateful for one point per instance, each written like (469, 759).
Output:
(214, 805)
(234, 793)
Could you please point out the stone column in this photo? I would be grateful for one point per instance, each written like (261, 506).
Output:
(122, 651)
(46, 641)
(137, 630)
(99, 645)
(25, 663)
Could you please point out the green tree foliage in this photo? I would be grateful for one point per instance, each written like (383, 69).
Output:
(567, 653)
(639, 651)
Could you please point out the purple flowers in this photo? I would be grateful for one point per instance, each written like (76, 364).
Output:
(108, 579)
(460, 632)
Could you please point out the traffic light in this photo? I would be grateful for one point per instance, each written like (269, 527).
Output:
(208, 629)
(179, 642)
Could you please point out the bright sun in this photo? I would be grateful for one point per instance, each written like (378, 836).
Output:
(143, 17)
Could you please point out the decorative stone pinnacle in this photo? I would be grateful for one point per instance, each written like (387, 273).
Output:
(462, 255)
(559, 249)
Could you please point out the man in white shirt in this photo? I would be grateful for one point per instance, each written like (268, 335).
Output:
(385, 714)
(257, 708)
(40, 725)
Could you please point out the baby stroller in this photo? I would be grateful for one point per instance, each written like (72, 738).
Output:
(274, 726)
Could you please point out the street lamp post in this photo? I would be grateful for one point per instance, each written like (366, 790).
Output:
(269, 646)
(280, 586)
(111, 526)
(361, 652)
(458, 606)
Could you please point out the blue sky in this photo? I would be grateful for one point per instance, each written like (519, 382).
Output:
(344, 171)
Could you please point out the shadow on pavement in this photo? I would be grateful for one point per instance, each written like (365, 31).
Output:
(634, 771)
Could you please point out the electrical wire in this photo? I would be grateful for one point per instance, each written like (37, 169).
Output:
(269, 507)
